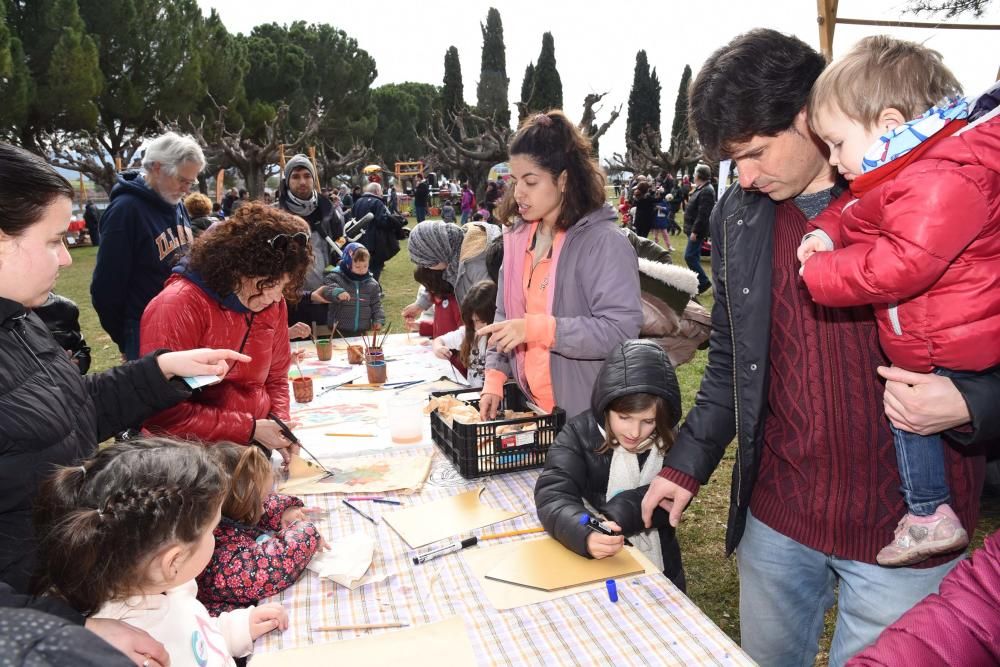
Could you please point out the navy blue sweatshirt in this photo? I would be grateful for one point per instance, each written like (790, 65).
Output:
(142, 238)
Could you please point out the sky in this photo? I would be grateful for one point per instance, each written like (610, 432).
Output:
(596, 43)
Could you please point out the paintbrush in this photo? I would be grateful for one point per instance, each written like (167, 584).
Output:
(313, 331)
(385, 335)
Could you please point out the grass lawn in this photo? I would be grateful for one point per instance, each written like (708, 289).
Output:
(711, 578)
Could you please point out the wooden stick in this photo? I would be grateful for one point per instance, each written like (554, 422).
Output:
(511, 533)
(313, 330)
(385, 335)
(360, 626)
(351, 435)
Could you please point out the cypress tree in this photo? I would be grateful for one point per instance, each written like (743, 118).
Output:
(452, 100)
(491, 93)
(679, 129)
(546, 89)
(529, 81)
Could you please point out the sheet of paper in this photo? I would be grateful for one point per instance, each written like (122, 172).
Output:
(547, 565)
(347, 560)
(429, 645)
(365, 474)
(440, 519)
(501, 595)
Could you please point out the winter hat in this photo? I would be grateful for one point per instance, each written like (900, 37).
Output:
(299, 161)
(347, 258)
(433, 242)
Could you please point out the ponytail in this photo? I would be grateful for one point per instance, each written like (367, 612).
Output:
(99, 524)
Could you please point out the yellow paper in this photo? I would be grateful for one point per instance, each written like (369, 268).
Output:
(429, 645)
(547, 565)
(440, 519)
(501, 595)
(360, 475)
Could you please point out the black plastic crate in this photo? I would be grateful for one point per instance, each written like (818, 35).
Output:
(477, 450)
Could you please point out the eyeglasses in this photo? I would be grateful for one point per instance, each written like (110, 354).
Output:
(281, 241)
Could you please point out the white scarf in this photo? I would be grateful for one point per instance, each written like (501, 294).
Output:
(625, 475)
(302, 207)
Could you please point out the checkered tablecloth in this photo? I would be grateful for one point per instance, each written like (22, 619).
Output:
(653, 623)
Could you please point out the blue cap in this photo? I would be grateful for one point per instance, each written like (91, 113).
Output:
(584, 519)
(612, 590)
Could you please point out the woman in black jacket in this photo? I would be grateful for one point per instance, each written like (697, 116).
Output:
(50, 415)
(607, 456)
(645, 209)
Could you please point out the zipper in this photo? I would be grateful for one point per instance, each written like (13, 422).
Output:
(897, 328)
(249, 320)
(732, 341)
(17, 330)
(357, 307)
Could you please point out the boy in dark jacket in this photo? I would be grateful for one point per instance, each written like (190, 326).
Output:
(616, 447)
(354, 295)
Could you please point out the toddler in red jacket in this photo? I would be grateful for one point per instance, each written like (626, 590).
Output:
(263, 541)
(918, 238)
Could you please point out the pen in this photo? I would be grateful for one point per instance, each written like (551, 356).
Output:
(451, 548)
(375, 500)
(361, 626)
(358, 511)
(595, 525)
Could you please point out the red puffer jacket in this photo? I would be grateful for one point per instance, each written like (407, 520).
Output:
(928, 243)
(185, 316)
(959, 626)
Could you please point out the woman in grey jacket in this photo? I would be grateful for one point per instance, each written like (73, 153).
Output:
(569, 285)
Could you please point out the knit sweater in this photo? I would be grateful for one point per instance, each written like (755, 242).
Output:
(828, 477)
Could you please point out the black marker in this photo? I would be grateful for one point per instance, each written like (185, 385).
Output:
(597, 526)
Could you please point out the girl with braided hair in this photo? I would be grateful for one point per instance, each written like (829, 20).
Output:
(123, 537)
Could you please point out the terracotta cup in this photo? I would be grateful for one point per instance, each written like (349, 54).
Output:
(302, 389)
(324, 349)
(355, 355)
(376, 371)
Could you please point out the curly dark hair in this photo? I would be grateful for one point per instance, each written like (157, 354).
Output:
(753, 86)
(557, 145)
(241, 248)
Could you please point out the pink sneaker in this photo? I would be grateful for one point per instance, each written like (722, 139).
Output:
(921, 537)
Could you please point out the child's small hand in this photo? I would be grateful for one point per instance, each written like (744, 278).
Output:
(600, 545)
(343, 296)
(441, 351)
(377, 326)
(267, 617)
(299, 330)
(291, 515)
(298, 354)
(810, 247)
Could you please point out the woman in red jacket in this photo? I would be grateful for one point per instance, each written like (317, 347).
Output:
(231, 292)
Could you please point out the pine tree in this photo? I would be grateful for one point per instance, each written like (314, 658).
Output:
(643, 103)
(546, 88)
(491, 93)
(526, 84)
(452, 100)
(679, 128)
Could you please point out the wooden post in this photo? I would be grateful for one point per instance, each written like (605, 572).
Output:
(83, 191)
(118, 163)
(281, 156)
(312, 158)
(219, 178)
(827, 20)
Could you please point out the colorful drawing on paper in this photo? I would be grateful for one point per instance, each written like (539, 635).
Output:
(370, 474)
(320, 369)
(339, 413)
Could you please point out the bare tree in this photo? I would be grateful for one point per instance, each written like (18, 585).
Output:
(645, 157)
(950, 8)
(588, 122)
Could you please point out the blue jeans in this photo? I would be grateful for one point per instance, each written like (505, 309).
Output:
(465, 216)
(920, 458)
(786, 588)
(420, 212)
(130, 344)
(692, 255)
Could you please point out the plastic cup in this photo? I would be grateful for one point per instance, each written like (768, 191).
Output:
(407, 423)
(324, 349)
(302, 389)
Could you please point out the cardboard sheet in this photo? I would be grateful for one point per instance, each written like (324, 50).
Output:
(360, 475)
(429, 645)
(440, 519)
(501, 595)
(547, 565)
